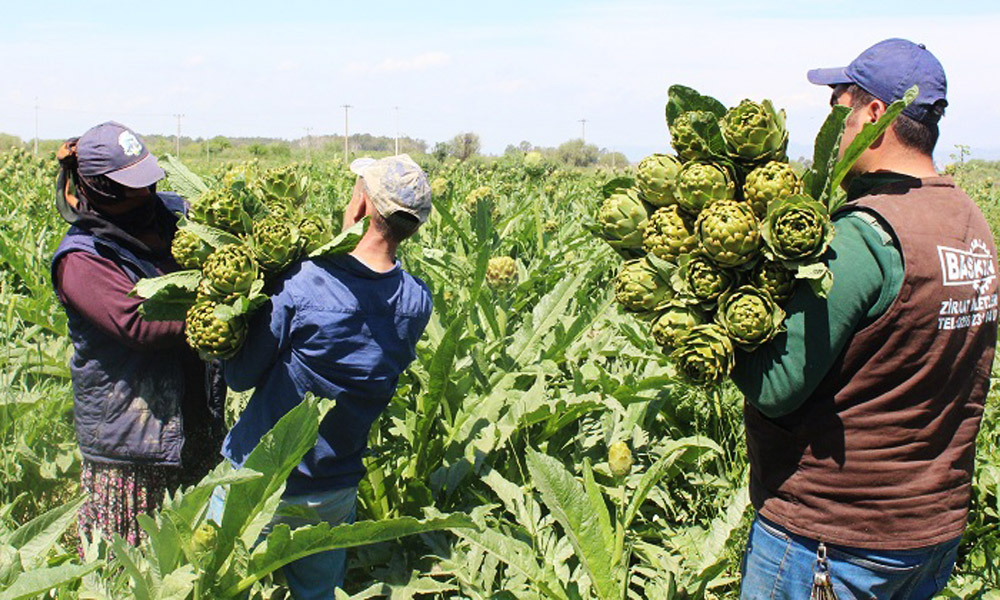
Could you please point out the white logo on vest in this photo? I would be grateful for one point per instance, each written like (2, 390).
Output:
(974, 268)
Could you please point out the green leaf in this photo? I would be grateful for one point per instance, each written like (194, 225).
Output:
(706, 125)
(568, 501)
(613, 186)
(819, 276)
(181, 178)
(284, 545)
(599, 506)
(36, 538)
(519, 556)
(216, 238)
(168, 297)
(345, 241)
(137, 568)
(678, 454)
(867, 136)
(684, 99)
(31, 584)
(825, 152)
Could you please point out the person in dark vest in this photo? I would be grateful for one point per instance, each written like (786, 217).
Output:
(861, 421)
(147, 410)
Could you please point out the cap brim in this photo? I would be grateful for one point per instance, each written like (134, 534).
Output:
(358, 165)
(834, 76)
(142, 174)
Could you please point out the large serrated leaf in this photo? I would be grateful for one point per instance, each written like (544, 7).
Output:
(825, 152)
(168, 297)
(706, 125)
(343, 242)
(517, 555)
(212, 236)
(182, 178)
(33, 583)
(682, 99)
(618, 184)
(35, 538)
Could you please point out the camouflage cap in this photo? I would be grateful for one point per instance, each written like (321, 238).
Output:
(395, 184)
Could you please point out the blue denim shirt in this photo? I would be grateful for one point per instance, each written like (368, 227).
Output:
(338, 329)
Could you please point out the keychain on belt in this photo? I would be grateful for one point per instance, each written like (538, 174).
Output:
(822, 587)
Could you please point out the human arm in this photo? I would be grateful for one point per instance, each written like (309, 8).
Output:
(268, 336)
(867, 275)
(98, 289)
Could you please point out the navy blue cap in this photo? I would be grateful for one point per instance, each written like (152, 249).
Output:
(115, 151)
(888, 69)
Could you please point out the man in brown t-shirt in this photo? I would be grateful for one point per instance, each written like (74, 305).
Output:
(861, 420)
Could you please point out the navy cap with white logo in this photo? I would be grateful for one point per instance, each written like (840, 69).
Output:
(888, 69)
(115, 151)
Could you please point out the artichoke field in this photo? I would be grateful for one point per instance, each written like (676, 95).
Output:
(240, 235)
(715, 239)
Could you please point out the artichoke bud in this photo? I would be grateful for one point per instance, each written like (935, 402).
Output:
(550, 226)
(501, 272)
(699, 184)
(276, 243)
(620, 459)
(656, 177)
(702, 280)
(483, 193)
(210, 336)
(439, 187)
(222, 210)
(729, 233)
(755, 132)
(769, 183)
(534, 164)
(669, 233)
(704, 356)
(640, 287)
(749, 317)
(189, 250)
(315, 231)
(797, 229)
(673, 323)
(229, 271)
(773, 278)
(685, 140)
(204, 538)
(286, 184)
(622, 219)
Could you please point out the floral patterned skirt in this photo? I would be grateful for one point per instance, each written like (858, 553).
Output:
(117, 494)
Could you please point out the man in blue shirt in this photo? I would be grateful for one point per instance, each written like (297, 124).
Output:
(342, 327)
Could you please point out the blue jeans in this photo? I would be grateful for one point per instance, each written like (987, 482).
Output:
(316, 576)
(779, 564)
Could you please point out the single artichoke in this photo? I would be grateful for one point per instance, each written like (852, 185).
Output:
(222, 210)
(228, 272)
(656, 178)
(701, 281)
(674, 322)
(669, 233)
(774, 279)
(699, 184)
(797, 230)
(640, 287)
(755, 132)
(749, 316)
(501, 272)
(704, 356)
(619, 459)
(768, 183)
(534, 164)
(622, 219)
(276, 243)
(315, 232)
(485, 194)
(189, 250)
(687, 142)
(211, 336)
(284, 183)
(550, 226)
(729, 233)
(440, 187)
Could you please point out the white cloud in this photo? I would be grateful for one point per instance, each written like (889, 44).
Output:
(419, 62)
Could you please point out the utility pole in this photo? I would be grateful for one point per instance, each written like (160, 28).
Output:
(583, 130)
(36, 125)
(177, 138)
(347, 133)
(397, 129)
(309, 152)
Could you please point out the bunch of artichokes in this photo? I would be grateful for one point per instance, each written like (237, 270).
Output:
(716, 237)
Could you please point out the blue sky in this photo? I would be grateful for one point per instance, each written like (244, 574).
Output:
(510, 71)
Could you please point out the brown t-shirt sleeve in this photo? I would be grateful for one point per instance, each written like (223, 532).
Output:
(98, 289)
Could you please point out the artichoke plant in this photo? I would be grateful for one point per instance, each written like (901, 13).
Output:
(640, 287)
(315, 232)
(797, 230)
(228, 272)
(701, 281)
(501, 272)
(674, 322)
(276, 243)
(768, 183)
(701, 183)
(755, 132)
(729, 233)
(775, 279)
(688, 144)
(534, 164)
(222, 210)
(669, 233)
(622, 219)
(656, 177)
(704, 356)
(189, 250)
(749, 316)
(211, 336)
